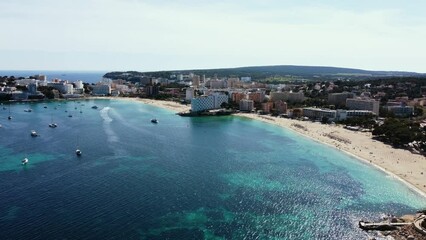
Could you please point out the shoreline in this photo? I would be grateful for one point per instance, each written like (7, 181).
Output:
(409, 184)
(401, 164)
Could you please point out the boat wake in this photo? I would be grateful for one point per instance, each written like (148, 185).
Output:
(111, 135)
(104, 114)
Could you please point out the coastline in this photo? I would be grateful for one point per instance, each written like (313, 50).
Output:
(401, 164)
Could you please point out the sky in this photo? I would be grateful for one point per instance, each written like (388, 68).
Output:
(150, 35)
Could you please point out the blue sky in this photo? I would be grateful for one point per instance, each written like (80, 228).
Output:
(150, 35)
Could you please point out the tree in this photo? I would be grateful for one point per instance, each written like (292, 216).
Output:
(47, 91)
(87, 88)
(399, 132)
(418, 111)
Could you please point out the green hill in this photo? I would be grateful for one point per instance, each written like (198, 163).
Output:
(259, 73)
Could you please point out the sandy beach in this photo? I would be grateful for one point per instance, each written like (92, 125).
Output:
(174, 106)
(399, 163)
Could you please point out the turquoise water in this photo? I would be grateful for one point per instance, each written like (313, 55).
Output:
(183, 178)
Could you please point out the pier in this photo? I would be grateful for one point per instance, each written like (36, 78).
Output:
(418, 225)
(381, 226)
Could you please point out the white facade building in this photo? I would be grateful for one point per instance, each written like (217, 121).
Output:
(213, 101)
(216, 84)
(78, 84)
(246, 105)
(101, 89)
(179, 77)
(32, 88)
(401, 111)
(62, 86)
(363, 104)
(25, 82)
(246, 79)
(189, 94)
(318, 113)
(122, 88)
(288, 96)
(339, 98)
(334, 115)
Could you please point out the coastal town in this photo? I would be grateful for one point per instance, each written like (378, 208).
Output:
(213, 120)
(371, 105)
(343, 114)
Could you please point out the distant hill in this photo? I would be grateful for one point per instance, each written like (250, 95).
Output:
(258, 73)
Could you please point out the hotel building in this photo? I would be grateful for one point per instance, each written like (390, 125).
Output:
(363, 104)
(213, 101)
(288, 96)
(246, 105)
(339, 98)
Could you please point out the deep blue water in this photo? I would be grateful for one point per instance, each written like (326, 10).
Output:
(85, 76)
(183, 178)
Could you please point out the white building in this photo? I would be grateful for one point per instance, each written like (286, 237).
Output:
(101, 89)
(233, 82)
(41, 77)
(62, 86)
(189, 94)
(344, 114)
(213, 101)
(318, 113)
(32, 88)
(288, 96)
(78, 84)
(401, 110)
(339, 98)
(122, 88)
(363, 104)
(196, 81)
(334, 115)
(19, 95)
(179, 77)
(25, 82)
(246, 105)
(216, 84)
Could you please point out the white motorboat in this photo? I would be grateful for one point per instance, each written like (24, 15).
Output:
(34, 133)
(78, 152)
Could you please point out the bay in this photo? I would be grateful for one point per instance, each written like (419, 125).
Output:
(183, 178)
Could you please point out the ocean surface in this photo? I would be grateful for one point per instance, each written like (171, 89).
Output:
(183, 178)
(85, 76)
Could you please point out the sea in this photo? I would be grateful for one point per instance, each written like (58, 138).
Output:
(222, 177)
(85, 76)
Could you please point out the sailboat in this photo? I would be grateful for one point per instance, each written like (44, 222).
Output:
(9, 117)
(78, 151)
(52, 124)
